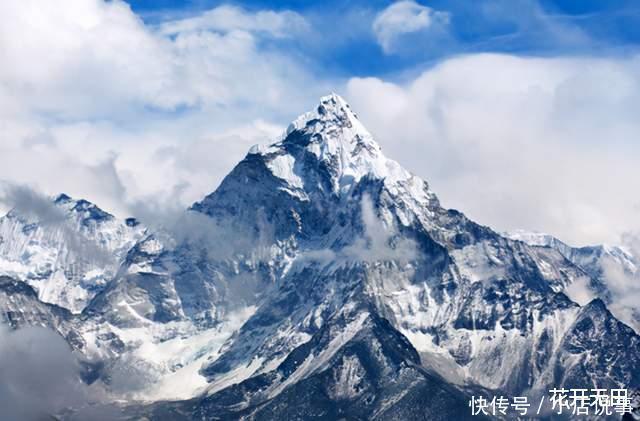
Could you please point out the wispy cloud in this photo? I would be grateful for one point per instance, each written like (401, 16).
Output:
(32, 206)
(379, 242)
(227, 18)
(624, 286)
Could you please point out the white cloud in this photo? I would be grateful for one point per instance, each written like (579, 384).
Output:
(63, 59)
(580, 292)
(93, 96)
(405, 17)
(40, 375)
(229, 18)
(542, 144)
(98, 104)
(624, 286)
(97, 59)
(379, 242)
(376, 242)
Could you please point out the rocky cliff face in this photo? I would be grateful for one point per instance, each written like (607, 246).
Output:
(612, 274)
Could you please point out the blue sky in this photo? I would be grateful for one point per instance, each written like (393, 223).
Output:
(521, 113)
(529, 27)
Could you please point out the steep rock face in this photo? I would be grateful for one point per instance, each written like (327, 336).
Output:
(69, 258)
(592, 259)
(613, 274)
(20, 307)
(598, 351)
(357, 366)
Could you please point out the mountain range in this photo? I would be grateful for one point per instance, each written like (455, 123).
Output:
(320, 280)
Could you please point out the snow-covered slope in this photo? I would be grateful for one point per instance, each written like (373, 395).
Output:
(69, 259)
(613, 274)
(321, 279)
(589, 258)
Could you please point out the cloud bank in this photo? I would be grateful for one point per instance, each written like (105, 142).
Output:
(102, 105)
(537, 143)
(102, 100)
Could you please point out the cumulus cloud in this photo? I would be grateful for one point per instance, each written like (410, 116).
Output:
(68, 55)
(93, 92)
(515, 142)
(95, 58)
(402, 18)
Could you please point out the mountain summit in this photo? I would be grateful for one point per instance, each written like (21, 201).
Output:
(334, 135)
(322, 280)
(340, 145)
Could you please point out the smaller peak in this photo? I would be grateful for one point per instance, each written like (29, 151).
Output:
(90, 211)
(333, 104)
(85, 208)
(535, 238)
(62, 198)
(595, 305)
(331, 96)
(84, 204)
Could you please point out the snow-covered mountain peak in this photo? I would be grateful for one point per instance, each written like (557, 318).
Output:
(333, 137)
(334, 111)
(614, 273)
(67, 249)
(307, 182)
(535, 238)
(62, 198)
(82, 209)
(540, 239)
